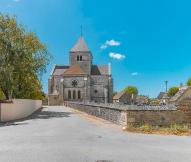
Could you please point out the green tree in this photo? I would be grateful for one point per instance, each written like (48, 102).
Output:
(131, 90)
(172, 91)
(1, 95)
(189, 82)
(23, 59)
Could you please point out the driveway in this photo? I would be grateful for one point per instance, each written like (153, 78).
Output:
(59, 134)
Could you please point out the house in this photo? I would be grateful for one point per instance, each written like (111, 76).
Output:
(183, 93)
(141, 100)
(124, 98)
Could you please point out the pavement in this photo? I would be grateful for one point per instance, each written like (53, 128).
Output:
(60, 134)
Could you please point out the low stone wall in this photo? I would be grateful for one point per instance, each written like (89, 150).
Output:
(18, 109)
(135, 115)
(158, 117)
(113, 115)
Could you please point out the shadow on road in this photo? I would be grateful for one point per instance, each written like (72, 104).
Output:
(40, 114)
(50, 114)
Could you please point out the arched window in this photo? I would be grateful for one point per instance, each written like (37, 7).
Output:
(79, 94)
(74, 94)
(78, 58)
(69, 94)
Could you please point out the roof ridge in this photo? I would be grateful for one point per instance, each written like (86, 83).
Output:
(80, 46)
(74, 70)
(119, 94)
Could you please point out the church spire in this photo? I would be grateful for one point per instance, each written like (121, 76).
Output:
(80, 46)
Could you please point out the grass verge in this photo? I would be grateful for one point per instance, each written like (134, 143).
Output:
(174, 129)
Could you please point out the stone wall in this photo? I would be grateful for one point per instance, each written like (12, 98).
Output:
(158, 117)
(136, 115)
(113, 115)
(53, 100)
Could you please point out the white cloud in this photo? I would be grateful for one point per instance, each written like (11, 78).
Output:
(117, 56)
(134, 73)
(103, 46)
(112, 43)
(108, 43)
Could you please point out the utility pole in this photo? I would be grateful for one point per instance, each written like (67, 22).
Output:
(166, 85)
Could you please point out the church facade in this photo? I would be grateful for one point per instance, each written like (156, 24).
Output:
(80, 81)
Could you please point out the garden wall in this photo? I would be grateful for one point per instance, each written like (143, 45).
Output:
(135, 115)
(18, 109)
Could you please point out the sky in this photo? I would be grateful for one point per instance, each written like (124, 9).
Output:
(147, 42)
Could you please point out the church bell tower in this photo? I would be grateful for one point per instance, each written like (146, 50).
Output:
(81, 55)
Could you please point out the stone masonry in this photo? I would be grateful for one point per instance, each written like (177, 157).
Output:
(137, 115)
(80, 80)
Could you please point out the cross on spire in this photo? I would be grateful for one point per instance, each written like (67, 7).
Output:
(81, 31)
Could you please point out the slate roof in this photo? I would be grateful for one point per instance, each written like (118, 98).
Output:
(100, 70)
(80, 46)
(161, 95)
(59, 70)
(119, 95)
(74, 70)
(77, 70)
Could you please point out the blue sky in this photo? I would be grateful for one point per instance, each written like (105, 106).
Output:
(147, 41)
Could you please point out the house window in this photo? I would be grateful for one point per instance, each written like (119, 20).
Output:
(74, 94)
(95, 91)
(69, 94)
(80, 58)
(79, 94)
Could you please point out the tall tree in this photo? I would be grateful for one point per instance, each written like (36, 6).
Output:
(131, 90)
(23, 59)
(172, 91)
(189, 82)
(1, 95)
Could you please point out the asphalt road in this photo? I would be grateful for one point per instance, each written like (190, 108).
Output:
(58, 134)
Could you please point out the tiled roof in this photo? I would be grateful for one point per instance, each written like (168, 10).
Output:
(80, 46)
(180, 93)
(119, 95)
(100, 70)
(74, 70)
(59, 70)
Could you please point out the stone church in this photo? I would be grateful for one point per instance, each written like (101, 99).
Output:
(80, 81)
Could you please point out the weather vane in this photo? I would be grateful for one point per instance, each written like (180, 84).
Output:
(81, 31)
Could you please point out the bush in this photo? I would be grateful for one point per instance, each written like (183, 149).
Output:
(172, 91)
